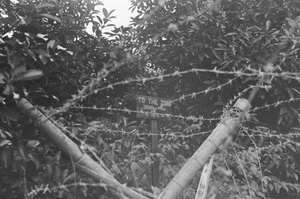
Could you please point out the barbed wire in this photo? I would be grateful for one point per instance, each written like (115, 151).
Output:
(191, 118)
(275, 104)
(108, 68)
(47, 189)
(267, 133)
(129, 111)
(159, 77)
(239, 95)
(240, 73)
(194, 94)
(243, 92)
(136, 132)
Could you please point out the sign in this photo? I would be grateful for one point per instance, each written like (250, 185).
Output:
(152, 107)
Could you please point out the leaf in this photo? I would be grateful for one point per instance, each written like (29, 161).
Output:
(33, 143)
(6, 157)
(14, 58)
(134, 166)
(295, 128)
(295, 90)
(34, 160)
(52, 44)
(280, 119)
(99, 3)
(45, 5)
(282, 111)
(148, 159)
(27, 7)
(220, 104)
(42, 52)
(30, 75)
(70, 52)
(216, 55)
(106, 15)
(71, 178)
(291, 147)
(8, 20)
(111, 12)
(50, 17)
(291, 22)
(30, 53)
(26, 20)
(4, 143)
(38, 27)
(56, 173)
(9, 113)
(8, 90)
(3, 78)
(100, 20)
(19, 70)
(268, 24)
(60, 47)
(64, 173)
(38, 94)
(110, 25)
(22, 150)
(106, 20)
(43, 59)
(155, 190)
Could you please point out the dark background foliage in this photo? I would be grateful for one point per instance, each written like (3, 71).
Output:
(202, 55)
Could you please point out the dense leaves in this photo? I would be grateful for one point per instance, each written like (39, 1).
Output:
(46, 56)
(86, 82)
(243, 37)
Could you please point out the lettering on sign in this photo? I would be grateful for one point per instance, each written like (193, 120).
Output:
(152, 107)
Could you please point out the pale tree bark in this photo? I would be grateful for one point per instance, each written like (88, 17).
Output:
(82, 161)
(226, 128)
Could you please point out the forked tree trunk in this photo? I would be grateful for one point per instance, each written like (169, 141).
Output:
(88, 166)
(224, 130)
(82, 161)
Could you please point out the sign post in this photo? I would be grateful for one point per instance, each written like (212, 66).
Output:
(154, 109)
(154, 150)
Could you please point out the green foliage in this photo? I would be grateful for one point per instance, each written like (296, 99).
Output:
(238, 37)
(47, 56)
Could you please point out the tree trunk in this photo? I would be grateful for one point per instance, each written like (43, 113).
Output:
(82, 161)
(220, 134)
